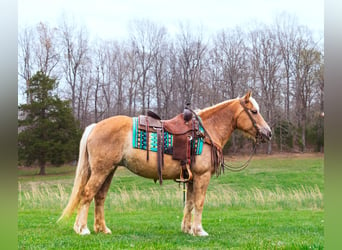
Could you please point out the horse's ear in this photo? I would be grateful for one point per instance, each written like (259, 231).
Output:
(247, 96)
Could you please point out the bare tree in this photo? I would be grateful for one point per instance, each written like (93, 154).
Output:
(306, 63)
(25, 57)
(168, 87)
(133, 78)
(230, 53)
(84, 91)
(286, 29)
(75, 48)
(120, 74)
(190, 64)
(47, 52)
(146, 38)
(265, 61)
(38, 51)
(111, 68)
(230, 66)
(320, 78)
(103, 83)
(159, 75)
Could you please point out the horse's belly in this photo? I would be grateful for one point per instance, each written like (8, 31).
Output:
(138, 164)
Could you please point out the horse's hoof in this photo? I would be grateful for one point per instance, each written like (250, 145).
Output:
(186, 228)
(81, 230)
(85, 231)
(202, 233)
(104, 230)
(199, 232)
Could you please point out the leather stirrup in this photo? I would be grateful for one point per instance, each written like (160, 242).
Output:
(182, 174)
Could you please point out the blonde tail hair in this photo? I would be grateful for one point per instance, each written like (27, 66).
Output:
(81, 177)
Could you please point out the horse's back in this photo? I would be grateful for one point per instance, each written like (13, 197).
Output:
(115, 123)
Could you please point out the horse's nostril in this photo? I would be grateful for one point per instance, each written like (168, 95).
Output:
(270, 134)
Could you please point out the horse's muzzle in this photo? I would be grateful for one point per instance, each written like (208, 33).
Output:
(264, 135)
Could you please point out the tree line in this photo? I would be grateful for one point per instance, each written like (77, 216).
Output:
(282, 63)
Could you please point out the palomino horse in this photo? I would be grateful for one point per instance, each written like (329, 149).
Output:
(106, 145)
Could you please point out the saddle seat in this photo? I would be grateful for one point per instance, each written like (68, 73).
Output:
(178, 125)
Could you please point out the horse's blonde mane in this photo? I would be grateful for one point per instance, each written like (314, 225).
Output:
(216, 106)
(220, 105)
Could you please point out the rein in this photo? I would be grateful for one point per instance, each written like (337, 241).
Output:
(243, 166)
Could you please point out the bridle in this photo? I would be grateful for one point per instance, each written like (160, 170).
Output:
(258, 137)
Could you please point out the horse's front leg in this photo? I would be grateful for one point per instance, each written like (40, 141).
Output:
(201, 183)
(189, 205)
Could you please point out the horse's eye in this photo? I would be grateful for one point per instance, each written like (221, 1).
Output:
(254, 111)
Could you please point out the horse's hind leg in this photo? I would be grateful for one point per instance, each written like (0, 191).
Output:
(95, 182)
(99, 222)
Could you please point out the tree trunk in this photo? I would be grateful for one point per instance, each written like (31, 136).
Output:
(269, 147)
(42, 169)
(304, 137)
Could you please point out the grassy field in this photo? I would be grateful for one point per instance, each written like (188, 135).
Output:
(276, 203)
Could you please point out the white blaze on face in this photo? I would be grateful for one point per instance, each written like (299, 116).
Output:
(255, 104)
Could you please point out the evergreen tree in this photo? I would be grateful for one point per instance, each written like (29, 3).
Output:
(49, 132)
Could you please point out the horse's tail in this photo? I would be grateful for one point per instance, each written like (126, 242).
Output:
(82, 175)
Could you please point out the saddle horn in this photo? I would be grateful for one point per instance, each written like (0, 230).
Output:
(187, 114)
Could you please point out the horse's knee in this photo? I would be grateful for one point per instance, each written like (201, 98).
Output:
(200, 203)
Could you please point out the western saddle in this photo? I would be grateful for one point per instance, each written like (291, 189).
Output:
(185, 130)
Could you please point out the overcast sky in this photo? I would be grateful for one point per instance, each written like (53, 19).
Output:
(109, 19)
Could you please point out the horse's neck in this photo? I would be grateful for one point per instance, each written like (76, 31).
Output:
(219, 120)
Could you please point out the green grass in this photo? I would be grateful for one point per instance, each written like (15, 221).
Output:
(276, 203)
